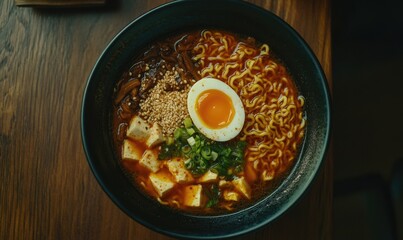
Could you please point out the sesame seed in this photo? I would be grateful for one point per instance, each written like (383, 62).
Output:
(167, 108)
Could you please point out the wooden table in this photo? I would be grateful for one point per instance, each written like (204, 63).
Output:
(47, 190)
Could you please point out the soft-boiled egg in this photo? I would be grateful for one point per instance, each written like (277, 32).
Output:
(215, 109)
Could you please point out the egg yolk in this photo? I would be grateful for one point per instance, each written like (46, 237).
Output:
(215, 108)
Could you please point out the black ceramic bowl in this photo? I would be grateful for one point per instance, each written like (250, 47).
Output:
(235, 16)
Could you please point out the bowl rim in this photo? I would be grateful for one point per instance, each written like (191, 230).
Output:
(267, 220)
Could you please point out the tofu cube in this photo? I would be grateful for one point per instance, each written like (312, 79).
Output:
(150, 160)
(208, 177)
(131, 151)
(193, 195)
(231, 196)
(242, 186)
(161, 183)
(156, 137)
(138, 129)
(176, 167)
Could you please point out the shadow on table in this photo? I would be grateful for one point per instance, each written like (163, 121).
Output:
(367, 56)
(367, 207)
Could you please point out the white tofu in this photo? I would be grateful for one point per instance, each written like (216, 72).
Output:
(161, 183)
(231, 196)
(176, 167)
(150, 160)
(193, 195)
(131, 151)
(242, 186)
(138, 129)
(156, 137)
(209, 176)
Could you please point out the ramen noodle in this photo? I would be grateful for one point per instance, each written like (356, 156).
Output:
(150, 114)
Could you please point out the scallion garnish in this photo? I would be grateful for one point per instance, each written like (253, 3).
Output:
(203, 154)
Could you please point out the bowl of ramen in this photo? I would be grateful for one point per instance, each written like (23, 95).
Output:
(206, 119)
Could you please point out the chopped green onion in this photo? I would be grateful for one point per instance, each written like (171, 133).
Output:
(187, 122)
(225, 152)
(238, 169)
(206, 152)
(214, 169)
(191, 141)
(214, 155)
(190, 131)
(229, 171)
(203, 154)
(181, 134)
(186, 149)
(213, 194)
(202, 165)
(170, 140)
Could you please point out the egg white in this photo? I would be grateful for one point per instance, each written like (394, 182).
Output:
(234, 127)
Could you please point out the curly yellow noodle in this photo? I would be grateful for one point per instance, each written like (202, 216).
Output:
(208, 69)
(265, 148)
(284, 80)
(217, 67)
(264, 49)
(291, 107)
(286, 92)
(227, 68)
(200, 55)
(302, 125)
(253, 89)
(249, 64)
(225, 44)
(274, 122)
(250, 104)
(274, 164)
(301, 100)
(267, 176)
(206, 34)
(284, 113)
(282, 101)
(280, 139)
(261, 120)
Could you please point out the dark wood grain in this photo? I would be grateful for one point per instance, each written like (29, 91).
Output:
(47, 190)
